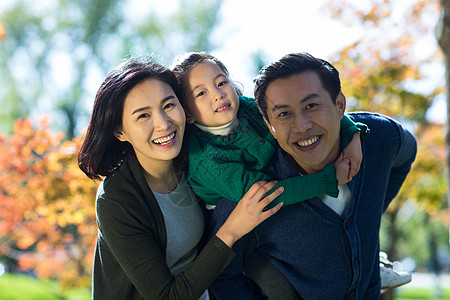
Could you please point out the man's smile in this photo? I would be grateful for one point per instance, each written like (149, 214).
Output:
(308, 144)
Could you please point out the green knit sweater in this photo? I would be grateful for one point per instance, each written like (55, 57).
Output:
(227, 166)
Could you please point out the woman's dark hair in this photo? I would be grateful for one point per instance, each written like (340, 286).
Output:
(101, 152)
(291, 64)
(187, 61)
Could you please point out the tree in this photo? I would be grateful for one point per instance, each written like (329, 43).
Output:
(383, 71)
(2, 29)
(443, 37)
(47, 210)
(47, 216)
(60, 49)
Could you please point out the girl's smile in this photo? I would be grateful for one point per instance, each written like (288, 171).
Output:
(223, 107)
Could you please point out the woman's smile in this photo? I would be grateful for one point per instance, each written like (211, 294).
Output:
(165, 141)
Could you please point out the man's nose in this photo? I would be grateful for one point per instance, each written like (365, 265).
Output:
(303, 123)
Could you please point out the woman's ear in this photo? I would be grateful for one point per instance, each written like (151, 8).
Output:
(120, 135)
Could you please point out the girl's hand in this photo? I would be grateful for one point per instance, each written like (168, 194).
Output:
(342, 166)
(353, 152)
(249, 212)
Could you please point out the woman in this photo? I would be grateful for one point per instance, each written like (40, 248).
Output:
(150, 223)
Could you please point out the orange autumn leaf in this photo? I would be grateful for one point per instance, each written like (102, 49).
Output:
(44, 198)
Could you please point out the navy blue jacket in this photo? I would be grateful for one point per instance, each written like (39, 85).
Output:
(322, 254)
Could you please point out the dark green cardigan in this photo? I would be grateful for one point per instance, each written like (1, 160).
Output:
(131, 244)
(227, 166)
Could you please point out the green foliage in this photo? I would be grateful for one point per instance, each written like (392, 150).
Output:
(57, 50)
(382, 75)
(415, 231)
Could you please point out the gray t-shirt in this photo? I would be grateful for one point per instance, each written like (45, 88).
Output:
(185, 224)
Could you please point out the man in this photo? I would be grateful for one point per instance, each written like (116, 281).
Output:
(327, 248)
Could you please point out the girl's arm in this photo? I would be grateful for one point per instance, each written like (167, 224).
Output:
(351, 135)
(230, 180)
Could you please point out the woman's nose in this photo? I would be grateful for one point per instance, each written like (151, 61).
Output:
(161, 121)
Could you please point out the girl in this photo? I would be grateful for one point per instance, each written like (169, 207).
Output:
(230, 145)
(149, 222)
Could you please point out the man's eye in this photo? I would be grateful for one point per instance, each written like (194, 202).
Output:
(283, 114)
(311, 105)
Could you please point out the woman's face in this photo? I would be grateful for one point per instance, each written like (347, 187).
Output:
(153, 122)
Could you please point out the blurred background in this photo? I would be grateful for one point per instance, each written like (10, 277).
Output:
(54, 54)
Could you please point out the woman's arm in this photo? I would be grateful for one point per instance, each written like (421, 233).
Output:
(139, 251)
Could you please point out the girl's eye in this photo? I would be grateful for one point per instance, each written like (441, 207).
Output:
(222, 83)
(201, 93)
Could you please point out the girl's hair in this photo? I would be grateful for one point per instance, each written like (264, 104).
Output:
(101, 152)
(183, 63)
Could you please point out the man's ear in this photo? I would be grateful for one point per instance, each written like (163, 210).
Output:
(341, 104)
(119, 135)
(272, 130)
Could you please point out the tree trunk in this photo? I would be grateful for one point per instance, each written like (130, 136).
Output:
(443, 37)
(391, 251)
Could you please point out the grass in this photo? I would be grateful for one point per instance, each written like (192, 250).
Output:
(23, 287)
(421, 294)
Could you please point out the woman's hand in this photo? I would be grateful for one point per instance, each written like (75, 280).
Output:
(353, 152)
(249, 212)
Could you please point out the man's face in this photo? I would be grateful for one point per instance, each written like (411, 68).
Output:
(304, 119)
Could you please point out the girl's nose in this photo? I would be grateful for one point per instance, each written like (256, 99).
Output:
(219, 94)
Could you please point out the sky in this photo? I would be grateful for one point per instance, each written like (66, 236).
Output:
(284, 26)
(275, 28)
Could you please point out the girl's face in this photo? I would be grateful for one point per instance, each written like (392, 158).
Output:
(210, 98)
(153, 122)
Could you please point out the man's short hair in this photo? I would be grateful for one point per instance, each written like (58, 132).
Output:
(291, 64)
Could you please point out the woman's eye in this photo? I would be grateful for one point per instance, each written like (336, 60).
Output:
(169, 105)
(144, 115)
